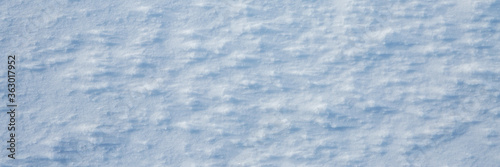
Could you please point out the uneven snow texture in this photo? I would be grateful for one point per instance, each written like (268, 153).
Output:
(254, 83)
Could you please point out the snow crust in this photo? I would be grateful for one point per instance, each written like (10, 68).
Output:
(254, 83)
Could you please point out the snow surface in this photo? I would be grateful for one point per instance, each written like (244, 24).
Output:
(254, 83)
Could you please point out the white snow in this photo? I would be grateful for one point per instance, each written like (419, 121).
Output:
(254, 83)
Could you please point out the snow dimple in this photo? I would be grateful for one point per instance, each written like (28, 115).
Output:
(256, 83)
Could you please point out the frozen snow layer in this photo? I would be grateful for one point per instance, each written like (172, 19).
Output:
(255, 83)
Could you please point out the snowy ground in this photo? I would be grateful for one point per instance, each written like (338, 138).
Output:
(254, 83)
